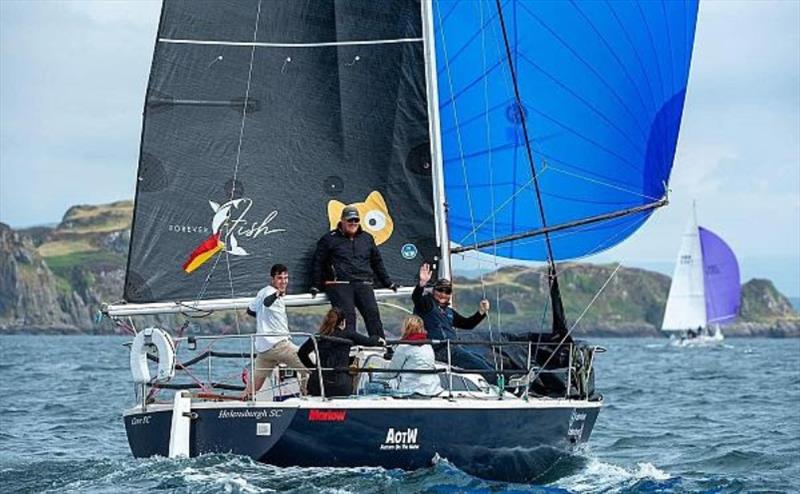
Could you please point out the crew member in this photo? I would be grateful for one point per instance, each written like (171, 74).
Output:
(275, 346)
(345, 263)
(441, 320)
(332, 353)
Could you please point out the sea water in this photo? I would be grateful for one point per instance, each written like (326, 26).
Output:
(714, 419)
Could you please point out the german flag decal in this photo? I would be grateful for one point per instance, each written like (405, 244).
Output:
(203, 253)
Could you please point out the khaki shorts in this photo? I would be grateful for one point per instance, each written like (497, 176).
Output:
(283, 352)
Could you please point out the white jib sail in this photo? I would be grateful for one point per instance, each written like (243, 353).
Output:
(686, 303)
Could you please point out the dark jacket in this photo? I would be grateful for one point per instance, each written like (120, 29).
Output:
(334, 352)
(441, 321)
(339, 258)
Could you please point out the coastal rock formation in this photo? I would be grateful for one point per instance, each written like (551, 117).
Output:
(631, 304)
(30, 294)
(55, 279)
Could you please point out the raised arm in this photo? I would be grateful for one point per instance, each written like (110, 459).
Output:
(422, 304)
(470, 322)
(268, 301)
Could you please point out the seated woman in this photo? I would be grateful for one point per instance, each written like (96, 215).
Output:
(415, 357)
(333, 341)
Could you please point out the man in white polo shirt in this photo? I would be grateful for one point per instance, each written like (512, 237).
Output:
(275, 347)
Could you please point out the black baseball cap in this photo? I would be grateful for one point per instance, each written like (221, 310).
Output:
(350, 213)
(443, 285)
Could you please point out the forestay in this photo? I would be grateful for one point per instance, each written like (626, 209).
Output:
(602, 88)
(262, 120)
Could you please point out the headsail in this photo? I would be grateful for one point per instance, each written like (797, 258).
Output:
(263, 119)
(602, 87)
(686, 302)
(721, 279)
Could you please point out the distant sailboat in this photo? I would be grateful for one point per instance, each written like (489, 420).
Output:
(705, 292)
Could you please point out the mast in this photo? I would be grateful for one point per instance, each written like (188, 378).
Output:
(432, 86)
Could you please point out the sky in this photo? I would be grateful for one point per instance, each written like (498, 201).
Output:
(73, 76)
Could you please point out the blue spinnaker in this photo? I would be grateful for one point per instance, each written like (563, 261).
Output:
(721, 279)
(602, 86)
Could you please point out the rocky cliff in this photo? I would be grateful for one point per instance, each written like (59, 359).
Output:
(56, 278)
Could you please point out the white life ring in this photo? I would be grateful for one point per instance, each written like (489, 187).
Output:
(166, 356)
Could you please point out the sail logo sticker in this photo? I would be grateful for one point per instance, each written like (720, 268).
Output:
(408, 251)
(400, 439)
(228, 224)
(375, 217)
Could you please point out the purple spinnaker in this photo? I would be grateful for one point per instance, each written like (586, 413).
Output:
(721, 277)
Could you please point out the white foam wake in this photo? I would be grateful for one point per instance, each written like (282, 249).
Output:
(598, 476)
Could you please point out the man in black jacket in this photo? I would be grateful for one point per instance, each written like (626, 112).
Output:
(345, 264)
(441, 320)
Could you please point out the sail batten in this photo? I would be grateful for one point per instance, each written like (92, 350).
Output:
(250, 44)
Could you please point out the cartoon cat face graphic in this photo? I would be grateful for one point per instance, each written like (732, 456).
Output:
(375, 218)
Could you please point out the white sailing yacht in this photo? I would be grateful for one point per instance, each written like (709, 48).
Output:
(705, 293)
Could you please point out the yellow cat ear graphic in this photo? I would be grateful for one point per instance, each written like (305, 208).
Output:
(375, 217)
(376, 198)
(335, 212)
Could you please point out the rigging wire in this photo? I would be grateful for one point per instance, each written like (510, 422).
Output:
(575, 324)
(245, 104)
(523, 122)
(460, 146)
(491, 185)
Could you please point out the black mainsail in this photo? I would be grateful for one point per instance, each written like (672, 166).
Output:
(262, 120)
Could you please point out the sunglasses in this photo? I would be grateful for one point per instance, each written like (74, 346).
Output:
(445, 290)
(354, 220)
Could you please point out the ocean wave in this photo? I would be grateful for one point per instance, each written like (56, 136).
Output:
(599, 476)
(635, 441)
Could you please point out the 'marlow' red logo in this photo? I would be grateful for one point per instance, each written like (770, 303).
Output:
(327, 415)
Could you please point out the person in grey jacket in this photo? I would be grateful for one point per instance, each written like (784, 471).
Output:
(415, 357)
